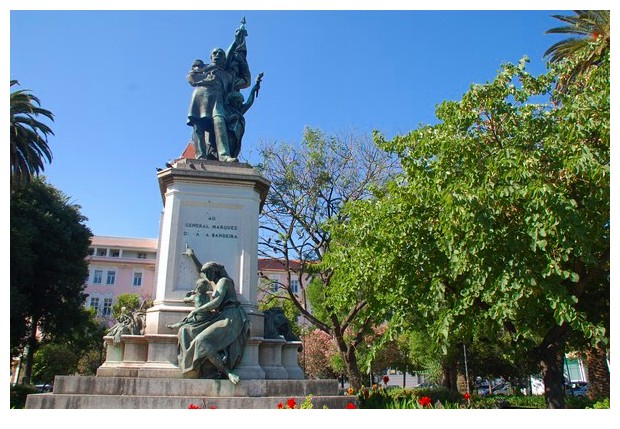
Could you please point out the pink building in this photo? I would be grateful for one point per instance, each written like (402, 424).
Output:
(119, 265)
(127, 265)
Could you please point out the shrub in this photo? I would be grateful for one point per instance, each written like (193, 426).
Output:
(19, 393)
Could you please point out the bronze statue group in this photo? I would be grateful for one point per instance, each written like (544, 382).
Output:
(217, 107)
(213, 335)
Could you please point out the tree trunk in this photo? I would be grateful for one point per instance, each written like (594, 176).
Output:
(347, 353)
(551, 369)
(551, 363)
(353, 371)
(449, 375)
(29, 354)
(598, 372)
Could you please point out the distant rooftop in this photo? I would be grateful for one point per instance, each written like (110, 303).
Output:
(141, 243)
(276, 264)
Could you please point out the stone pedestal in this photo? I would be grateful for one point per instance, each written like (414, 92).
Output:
(250, 368)
(270, 358)
(290, 351)
(83, 392)
(213, 208)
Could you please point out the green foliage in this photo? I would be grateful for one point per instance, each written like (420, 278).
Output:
(441, 394)
(501, 215)
(53, 359)
(29, 148)
(307, 404)
(49, 245)
(491, 354)
(125, 303)
(80, 352)
(380, 398)
(19, 392)
(591, 28)
(310, 183)
(601, 404)
(316, 295)
(90, 361)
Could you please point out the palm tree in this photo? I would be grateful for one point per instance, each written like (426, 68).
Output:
(589, 26)
(28, 137)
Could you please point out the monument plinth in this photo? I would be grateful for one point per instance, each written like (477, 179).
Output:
(211, 207)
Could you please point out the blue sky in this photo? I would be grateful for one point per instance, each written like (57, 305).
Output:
(115, 81)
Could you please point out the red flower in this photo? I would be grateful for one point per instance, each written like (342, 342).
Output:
(193, 407)
(350, 406)
(213, 407)
(467, 396)
(386, 379)
(291, 403)
(425, 401)
(280, 405)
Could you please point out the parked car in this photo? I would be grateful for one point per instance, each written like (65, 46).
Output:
(428, 385)
(43, 388)
(499, 389)
(503, 389)
(577, 389)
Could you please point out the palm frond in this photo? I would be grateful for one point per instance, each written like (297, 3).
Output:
(28, 136)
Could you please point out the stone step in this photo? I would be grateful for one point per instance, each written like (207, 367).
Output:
(71, 401)
(75, 392)
(92, 385)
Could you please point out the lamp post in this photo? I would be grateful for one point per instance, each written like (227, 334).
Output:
(466, 372)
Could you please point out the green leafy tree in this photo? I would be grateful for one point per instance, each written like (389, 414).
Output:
(80, 352)
(588, 49)
(125, 303)
(49, 245)
(386, 351)
(29, 148)
(53, 359)
(310, 183)
(501, 216)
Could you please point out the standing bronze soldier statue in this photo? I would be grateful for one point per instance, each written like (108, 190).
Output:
(227, 73)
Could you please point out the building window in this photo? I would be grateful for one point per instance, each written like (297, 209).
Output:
(141, 255)
(275, 286)
(97, 277)
(115, 253)
(107, 307)
(102, 252)
(111, 278)
(294, 286)
(137, 279)
(94, 303)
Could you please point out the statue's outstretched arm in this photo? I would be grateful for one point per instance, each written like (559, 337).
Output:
(189, 252)
(253, 93)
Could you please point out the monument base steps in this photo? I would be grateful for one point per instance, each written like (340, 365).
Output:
(89, 392)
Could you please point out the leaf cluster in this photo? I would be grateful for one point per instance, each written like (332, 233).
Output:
(501, 215)
(28, 136)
